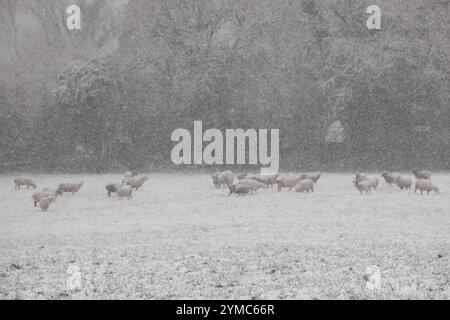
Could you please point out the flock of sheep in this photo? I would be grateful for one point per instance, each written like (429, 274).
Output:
(244, 183)
(240, 184)
(44, 198)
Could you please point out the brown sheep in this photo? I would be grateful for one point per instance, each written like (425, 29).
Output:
(69, 187)
(44, 203)
(289, 182)
(253, 185)
(22, 181)
(44, 194)
(425, 185)
(223, 179)
(136, 183)
(306, 185)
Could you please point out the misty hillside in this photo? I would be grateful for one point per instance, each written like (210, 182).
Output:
(109, 96)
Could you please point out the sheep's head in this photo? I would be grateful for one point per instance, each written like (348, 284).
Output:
(33, 186)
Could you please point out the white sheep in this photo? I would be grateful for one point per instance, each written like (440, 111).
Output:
(373, 181)
(125, 192)
(69, 187)
(363, 186)
(136, 183)
(403, 182)
(306, 185)
(23, 181)
(422, 175)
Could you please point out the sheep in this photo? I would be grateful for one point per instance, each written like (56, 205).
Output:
(422, 175)
(239, 189)
(253, 185)
(46, 193)
(261, 179)
(112, 188)
(362, 186)
(44, 203)
(390, 177)
(125, 192)
(136, 183)
(313, 177)
(425, 185)
(223, 179)
(288, 182)
(306, 185)
(373, 181)
(403, 182)
(273, 179)
(69, 187)
(22, 181)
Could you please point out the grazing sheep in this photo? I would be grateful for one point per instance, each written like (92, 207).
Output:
(363, 186)
(22, 181)
(136, 183)
(306, 185)
(261, 179)
(425, 185)
(288, 182)
(44, 203)
(422, 175)
(390, 177)
(223, 179)
(403, 182)
(253, 185)
(44, 194)
(69, 187)
(125, 192)
(313, 177)
(112, 188)
(373, 181)
(239, 189)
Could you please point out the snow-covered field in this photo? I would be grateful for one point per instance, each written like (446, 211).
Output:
(181, 238)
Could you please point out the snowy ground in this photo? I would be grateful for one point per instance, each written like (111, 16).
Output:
(181, 238)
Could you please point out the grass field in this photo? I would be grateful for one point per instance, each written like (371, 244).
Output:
(181, 238)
